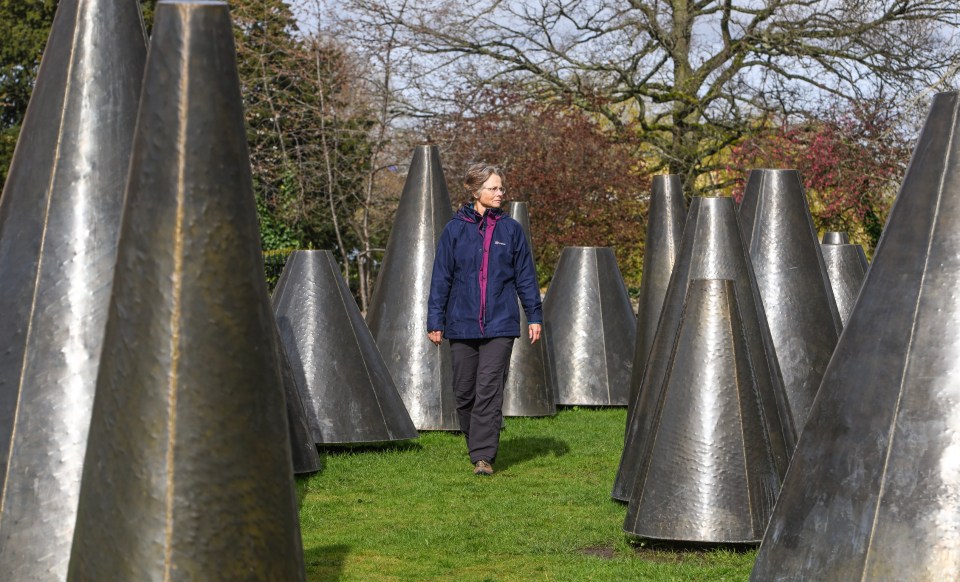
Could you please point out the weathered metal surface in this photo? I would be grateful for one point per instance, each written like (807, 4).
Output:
(708, 474)
(846, 268)
(302, 448)
(397, 316)
(188, 473)
(873, 491)
(59, 218)
(797, 298)
(527, 390)
(349, 394)
(591, 327)
(712, 247)
(664, 229)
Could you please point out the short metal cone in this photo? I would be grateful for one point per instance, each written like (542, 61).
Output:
(591, 327)
(59, 218)
(873, 491)
(188, 472)
(665, 220)
(846, 268)
(797, 297)
(397, 316)
(527, 391)
(712, 247)
(349, 394)
(302, 448)
(709, 474)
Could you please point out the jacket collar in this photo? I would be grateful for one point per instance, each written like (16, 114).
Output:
(468, 213)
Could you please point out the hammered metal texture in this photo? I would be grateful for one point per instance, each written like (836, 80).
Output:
(397, 316)
(836, 238)
(797, 298)
(709, 474)
(665, 220)
(188, 473)
(59, 218)
(712, 247)
(846, 268)
(592, 329)
(302, 448)
(527, 390)
(350, 395)
(873, 491)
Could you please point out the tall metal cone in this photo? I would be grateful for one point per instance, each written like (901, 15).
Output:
(873, 491)
(799, 303)
(592, 328)
(302, 448)
(846, 268)
(527, 391)
(350, 395)
(59, 218)
(712, 247)
(664, 229)
(188, 472)
(709, 474)
(397, 316)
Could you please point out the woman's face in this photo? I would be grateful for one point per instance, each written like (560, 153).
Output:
(491, 194)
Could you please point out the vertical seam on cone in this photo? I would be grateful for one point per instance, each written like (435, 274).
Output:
(356, 342)
(733, 309)
(175, 315)
(603, 342)
(281, 287)
(43, 241)
(906, 358)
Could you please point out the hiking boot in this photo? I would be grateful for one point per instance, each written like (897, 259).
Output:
(482, 468)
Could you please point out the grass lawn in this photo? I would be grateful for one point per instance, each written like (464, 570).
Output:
(415, 511)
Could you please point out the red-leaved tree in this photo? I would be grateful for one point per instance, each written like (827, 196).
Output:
(851, 165)
(584, 186)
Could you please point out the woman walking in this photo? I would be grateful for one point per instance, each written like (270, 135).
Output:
(482, 265)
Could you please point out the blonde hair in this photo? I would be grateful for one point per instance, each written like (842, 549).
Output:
(476, 175)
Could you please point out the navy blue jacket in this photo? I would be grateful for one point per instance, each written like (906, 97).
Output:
(457, 289)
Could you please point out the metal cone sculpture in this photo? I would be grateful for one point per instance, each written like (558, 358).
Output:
(302, 447)
(712, 248)
(797, 298)
(59, 218)
(527, 390)
(398, 309)
(188, 472)
(709, 474)
(873, 491)
(350, 395)
(592, 329)
(664, 229)
(846, 267)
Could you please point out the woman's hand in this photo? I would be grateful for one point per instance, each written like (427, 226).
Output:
(535, 329)
(435, 336)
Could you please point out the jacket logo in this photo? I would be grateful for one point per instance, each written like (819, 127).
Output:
(496, 242)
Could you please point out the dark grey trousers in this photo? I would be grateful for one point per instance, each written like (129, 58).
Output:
(479, 367)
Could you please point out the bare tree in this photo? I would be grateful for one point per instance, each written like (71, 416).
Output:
(690, 77)
(380, 68)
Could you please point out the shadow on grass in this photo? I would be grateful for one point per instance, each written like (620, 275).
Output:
(326, 562)
(302, 480)
(669, 551)
(514, 451)
(359, 448)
